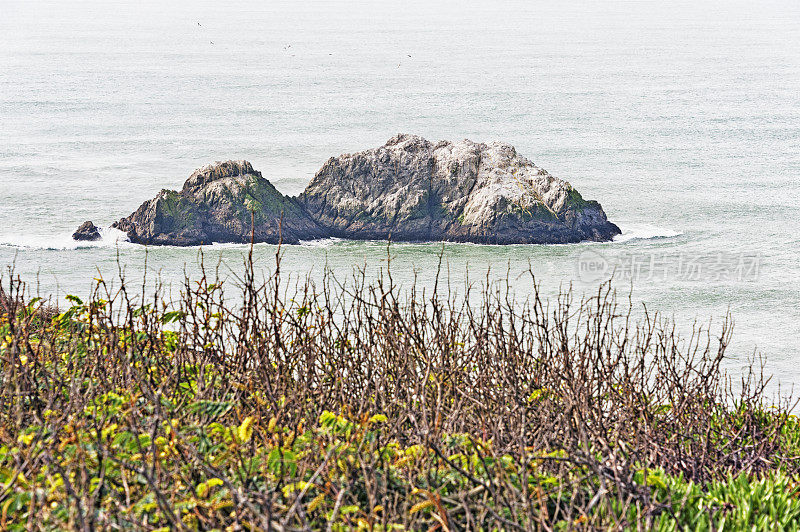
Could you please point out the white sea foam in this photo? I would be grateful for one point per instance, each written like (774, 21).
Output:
(113, 237)
(644, 232)
(110, 237)
(321, 243)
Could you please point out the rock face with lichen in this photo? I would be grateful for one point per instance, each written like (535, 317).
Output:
(215, 205)
(409, 189)
(413, 189)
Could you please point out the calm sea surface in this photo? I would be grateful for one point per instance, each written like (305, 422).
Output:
(681, 118)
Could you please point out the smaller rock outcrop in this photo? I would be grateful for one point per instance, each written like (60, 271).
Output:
(215, 205)
(87, 232)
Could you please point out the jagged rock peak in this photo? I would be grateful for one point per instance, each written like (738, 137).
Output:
(406, 140)
(411, 143)
(218, 170)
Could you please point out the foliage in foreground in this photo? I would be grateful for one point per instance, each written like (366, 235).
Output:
(360, 405)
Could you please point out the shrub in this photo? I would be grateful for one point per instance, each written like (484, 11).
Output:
(359, 404)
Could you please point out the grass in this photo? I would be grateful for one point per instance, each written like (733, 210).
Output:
(357, 404)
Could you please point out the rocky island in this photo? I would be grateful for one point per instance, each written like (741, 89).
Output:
(409, 189)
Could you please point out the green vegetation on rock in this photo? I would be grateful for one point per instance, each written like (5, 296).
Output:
(175, 212)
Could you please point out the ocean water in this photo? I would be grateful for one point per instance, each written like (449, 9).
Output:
(682, 118)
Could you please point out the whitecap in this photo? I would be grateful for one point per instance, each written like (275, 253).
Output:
(321, 243)
(110, 237)
(644, 232)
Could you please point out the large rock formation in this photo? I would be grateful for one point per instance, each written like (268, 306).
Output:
(413, 189)
(215, 205)
(408, 189)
